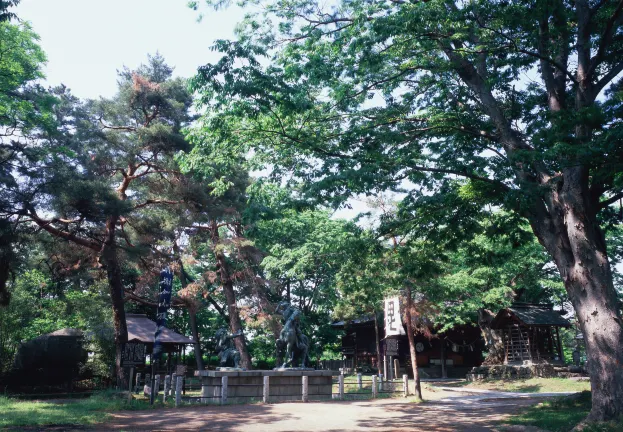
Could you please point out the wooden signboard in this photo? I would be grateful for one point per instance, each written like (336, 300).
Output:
(133, 354)
(391, 347)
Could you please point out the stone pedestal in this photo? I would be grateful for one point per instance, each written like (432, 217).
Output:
(248, 386)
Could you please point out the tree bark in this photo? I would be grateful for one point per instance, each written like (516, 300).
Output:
(109, 258)
(230, 295)
(412, 351)
(377, 340)
(192, 314)
(574, 239)
(493, 339)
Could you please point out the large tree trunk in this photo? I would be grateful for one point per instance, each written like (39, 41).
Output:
(412, 350)
(230, 295)
(573, 237)
(109, 258)
(192, 314)
(493, 339)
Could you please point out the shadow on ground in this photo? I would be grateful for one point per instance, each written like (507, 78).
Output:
(459, 414)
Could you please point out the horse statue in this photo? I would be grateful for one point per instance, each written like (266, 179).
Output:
(295, 343)
(225, 348)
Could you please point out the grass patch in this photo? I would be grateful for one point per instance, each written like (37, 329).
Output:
(561, 415)
(531, 385)
(16, 413)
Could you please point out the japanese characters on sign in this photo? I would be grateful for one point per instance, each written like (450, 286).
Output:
(164, 302)
(391, 347)
(393, 322)
(133, 354)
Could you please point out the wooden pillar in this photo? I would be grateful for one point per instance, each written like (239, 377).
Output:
(131, 384)
(178, 391)
(444, 373)
(560, 355)
(341, 386)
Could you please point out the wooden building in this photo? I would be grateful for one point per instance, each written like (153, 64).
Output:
(143, 330)
(449, 354)
(530, 333)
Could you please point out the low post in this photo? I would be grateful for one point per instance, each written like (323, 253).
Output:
(396, 368)
(223, 390)
(374, 387)
(359, 382)
(178, 390)
(173, 383)
(341, 386)
(405, 384)
(156, 388)
(138, 383)
(167, 386)
(380, 381)
(266, 389)
(384, 373)
(305, 389)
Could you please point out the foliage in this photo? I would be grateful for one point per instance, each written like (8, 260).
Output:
(42, 305)
(24, 111)
(466, 108)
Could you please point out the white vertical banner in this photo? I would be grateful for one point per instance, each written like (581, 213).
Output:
(393, 322)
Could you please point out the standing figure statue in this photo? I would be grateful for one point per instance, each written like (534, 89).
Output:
(225, 347)
(291, 339)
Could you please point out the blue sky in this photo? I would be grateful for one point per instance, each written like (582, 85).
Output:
(86, 41)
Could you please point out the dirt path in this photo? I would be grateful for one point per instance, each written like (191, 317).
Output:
(461, 413)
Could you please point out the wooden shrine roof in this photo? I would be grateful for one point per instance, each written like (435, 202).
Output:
(531, 315)
(142, 329)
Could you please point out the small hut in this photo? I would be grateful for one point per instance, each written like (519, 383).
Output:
(142, 329)
(530, 333)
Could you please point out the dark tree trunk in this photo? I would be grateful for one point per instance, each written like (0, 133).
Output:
(110, 260)
(230, 295)
(412, 351)
(377, 340)
(192, 316)
(573, 237)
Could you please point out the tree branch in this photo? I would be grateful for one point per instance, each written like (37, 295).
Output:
(47, 226)
(614, 198)
(155, 201)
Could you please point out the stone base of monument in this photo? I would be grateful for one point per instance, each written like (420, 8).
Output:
(248, 386)
(293, 369)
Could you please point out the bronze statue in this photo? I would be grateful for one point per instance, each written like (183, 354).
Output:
(225, 347)
(291, 339)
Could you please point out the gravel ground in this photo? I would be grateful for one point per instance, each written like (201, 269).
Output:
(453, 413)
